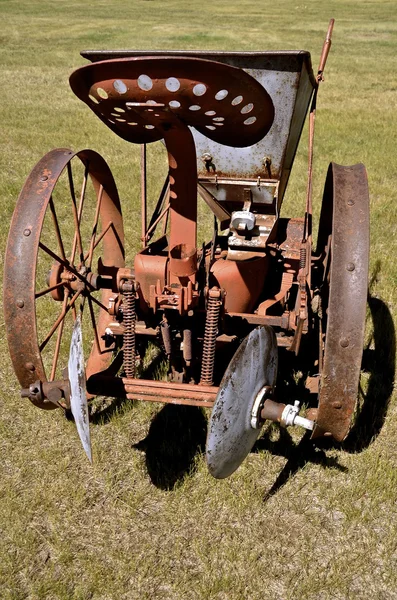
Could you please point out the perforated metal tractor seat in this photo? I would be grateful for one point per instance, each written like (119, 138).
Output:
(144, 99)
(223, 102)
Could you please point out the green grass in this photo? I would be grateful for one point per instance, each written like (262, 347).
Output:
(149, 522)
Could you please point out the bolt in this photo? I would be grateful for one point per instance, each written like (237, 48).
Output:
(337, 404)
(44, 178)
(20, 303)
(30, 366)
(54, 395)
(27, 232)
(350, 266)
(207, 160)
(344, 342)
(350, 202)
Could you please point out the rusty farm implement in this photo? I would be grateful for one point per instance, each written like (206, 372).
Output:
(222, 314)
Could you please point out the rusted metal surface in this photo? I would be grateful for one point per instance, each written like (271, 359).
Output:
(143, 196)
(191, 93)
(151, 268)
(288, 78)
(214, 306)
(345, 217)
(169, 399)
(163, 106)
(153, 391)
(325, 50)
(242, 280)
(230, 192)
(21, 259)
(272, 411)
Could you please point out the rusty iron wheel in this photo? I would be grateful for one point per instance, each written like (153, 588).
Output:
(343, 248)
(66, 229)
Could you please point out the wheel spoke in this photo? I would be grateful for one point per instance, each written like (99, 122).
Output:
(57, 230)
(95, 226)
(77, 212)
(59, 320)
(99, 304)
(65, 264)
(92, 315)
(59, 338)
(100, 238)
(55, 256)
(155, 223)
(48, 290)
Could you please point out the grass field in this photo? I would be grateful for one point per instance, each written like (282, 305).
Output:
(147, 521)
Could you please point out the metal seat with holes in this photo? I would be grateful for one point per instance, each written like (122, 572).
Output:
(223, 315)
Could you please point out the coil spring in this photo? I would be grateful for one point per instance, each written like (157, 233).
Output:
(129, 319)
(210, 333)
(302, 258)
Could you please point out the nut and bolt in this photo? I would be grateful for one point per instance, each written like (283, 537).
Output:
(68, 276)
(208, 161)
(337, 404)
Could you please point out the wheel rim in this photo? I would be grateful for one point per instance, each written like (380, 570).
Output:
(67, 227)
(343, 240)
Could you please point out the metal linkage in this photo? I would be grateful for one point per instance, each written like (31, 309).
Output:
(129, 318)
(210, 333)
(290, 416)
(264, 408)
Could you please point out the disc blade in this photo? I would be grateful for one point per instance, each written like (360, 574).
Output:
(78, 397)
(230, 435)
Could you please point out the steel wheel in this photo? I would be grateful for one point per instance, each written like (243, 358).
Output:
(66, 229)
(343, 249)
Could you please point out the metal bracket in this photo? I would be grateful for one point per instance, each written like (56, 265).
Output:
(290, 416)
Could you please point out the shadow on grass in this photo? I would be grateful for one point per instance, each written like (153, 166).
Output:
(298, 455)
(379, 362)
(119, 402)
(176, 435)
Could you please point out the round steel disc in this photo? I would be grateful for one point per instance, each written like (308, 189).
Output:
(230, 435)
